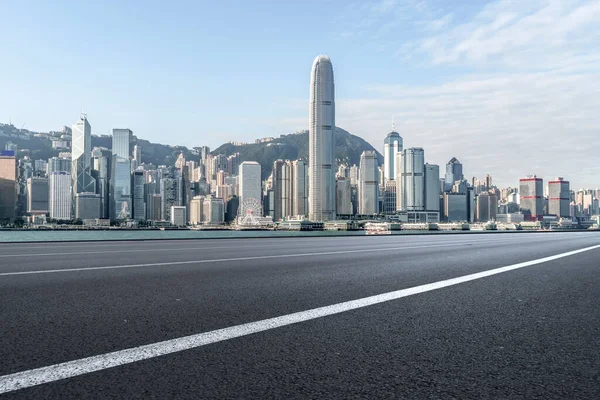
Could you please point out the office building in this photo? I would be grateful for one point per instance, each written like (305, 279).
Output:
(282, 189)
(531, 195)
(299, 188)
(454, 172)
(392, 146)
(59, 195)
(120, 189)
(213, 210)
(196, 211)
(410, 180)
(137, 154)
(368, 184)
(487, 207)
(432, 187)
(8, 187)
(178, 215)
(87, 206)
(121, 142)
(139, 204)
(81, 153)
(58, 164)
(250, 182)
(389, 196)
(153, 207)
(37, 195)
(343, 196)
(456, 207)
(559, 198)
(321, 202)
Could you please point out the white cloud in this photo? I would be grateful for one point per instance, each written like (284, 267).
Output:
(523, 97)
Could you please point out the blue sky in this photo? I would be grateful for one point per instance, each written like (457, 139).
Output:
(508, 87)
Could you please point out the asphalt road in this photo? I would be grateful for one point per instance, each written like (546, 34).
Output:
(529, 331)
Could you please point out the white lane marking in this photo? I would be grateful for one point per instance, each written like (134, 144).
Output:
(51, 373)
(218, 260)
(216, 248)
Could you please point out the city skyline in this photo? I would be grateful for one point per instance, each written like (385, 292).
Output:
(486, 99)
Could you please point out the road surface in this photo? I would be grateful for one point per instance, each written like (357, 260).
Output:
(432, 316)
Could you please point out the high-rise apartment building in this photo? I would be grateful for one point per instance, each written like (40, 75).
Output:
(392, 146)
(410, 180)
(559, 198)
(121, 142)
(531, 194)
(59, 195)
(368, 184)
(81, 153)
(321, 203)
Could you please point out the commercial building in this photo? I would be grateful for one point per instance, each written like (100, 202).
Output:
(153, 207)
(282, 189)
(368, 184)
(410, 180)
(531, 195)
(59, 195)
(321, 202)
(559, 198)
(120, 189)
(87, 206)
(58, 164)
(121, 142)
(250, 186)
(196, 211)
(456, 207)
(432, 187)
(8, 188)
(454, 172)
(299, 188)
(139, 204)
(213, 210)
(389, 197)
(343, 196)
(487, 207)
(81, 153)
(178, 215)
(392, 146)
(37, 195)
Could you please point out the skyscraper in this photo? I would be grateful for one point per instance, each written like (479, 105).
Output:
(343, 196)
(81, 153)
(37, 195)
(121, 142)
(531, 193)
(368, 184)
(321, 203)
(410, 180)
(8, 187)
(139, 204)
(250, 183)
(59, 196)
(299, 187)
(392, 146)
(454, 172)
(432, 187)
(282, 189)
(120, 189)
(137, 154)
(559, 198)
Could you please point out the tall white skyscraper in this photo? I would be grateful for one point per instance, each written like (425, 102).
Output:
(59, 195)
(81, 155)
(321, 198)
(410, 180)
(392, 146)
(368, 184)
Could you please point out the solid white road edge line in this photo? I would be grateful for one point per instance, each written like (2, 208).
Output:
(218, 260)
(38, 376)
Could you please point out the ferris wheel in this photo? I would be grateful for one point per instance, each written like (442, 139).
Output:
(250, 212)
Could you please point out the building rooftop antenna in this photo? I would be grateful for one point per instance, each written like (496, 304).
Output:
(393, 124)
